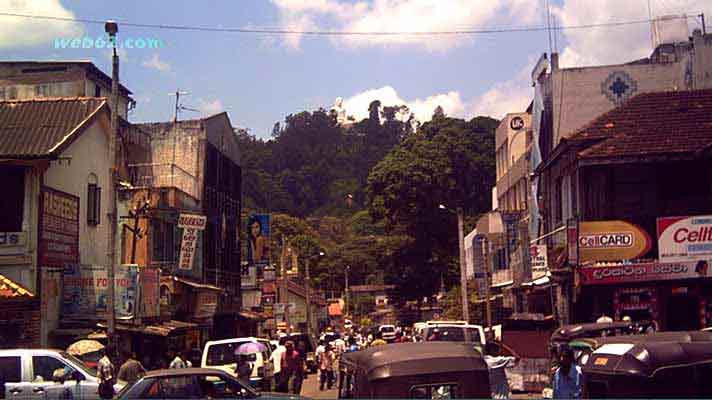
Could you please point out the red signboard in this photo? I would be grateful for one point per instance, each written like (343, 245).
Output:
(58, 228)
(642, 272)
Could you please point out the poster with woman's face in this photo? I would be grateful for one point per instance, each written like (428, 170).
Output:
(258, 236)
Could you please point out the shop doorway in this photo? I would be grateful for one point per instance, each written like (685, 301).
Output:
(683, 313)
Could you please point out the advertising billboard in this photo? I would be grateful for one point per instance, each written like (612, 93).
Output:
(540, 263)
(258, 239)
(682, 239)
(611, 241)
(58, 228)
(85, 291)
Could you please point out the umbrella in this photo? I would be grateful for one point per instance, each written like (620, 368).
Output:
(83, 347)
(250, 348)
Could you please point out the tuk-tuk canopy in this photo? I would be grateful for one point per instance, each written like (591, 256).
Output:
(405, 359)
(571, 332)
(641, 356)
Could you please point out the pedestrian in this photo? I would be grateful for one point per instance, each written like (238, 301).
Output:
(291, 363)
(300, 371)
(567, 378)
(353, 345)
(131, 370)
(106, 374)
(243, 368)
(186, 359)
(276, 358)
(177, 361)
(326, 367)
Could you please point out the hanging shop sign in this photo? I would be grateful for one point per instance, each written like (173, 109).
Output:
(539, 260)
(149, 281)
(58, 228)
(249, 276)
(191, 224)
(683, 239)
(572, 244)
(642, 272)
(611, 241)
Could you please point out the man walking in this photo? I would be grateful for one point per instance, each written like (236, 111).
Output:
(326, 367)
(567, 379)
(131, 370)
(281, 384)
(177, 361)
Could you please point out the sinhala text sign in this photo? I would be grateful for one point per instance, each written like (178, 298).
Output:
(191, 224)
(683, 239)
(642, 272)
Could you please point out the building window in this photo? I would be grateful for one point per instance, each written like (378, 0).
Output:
(42, 90)
(97, 90)
(93, 201)
(12, 93)
(164, 242)
(558, 204)
(12, 202)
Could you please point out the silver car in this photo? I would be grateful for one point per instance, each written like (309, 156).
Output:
(47, 374)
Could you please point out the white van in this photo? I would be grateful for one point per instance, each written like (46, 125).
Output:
(220, 354)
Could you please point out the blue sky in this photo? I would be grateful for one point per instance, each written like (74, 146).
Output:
(260, 79)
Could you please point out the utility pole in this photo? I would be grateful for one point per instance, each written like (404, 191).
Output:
(112, 29)
(463, 266)
(346, 291)
(307, 295)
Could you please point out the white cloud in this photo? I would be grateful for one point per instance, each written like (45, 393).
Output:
(403, 16)
(154, 62)
(19, 32)
(357, 105)
(612, 45)
(513, 95)
(208, 107)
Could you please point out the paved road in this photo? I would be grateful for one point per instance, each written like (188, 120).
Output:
(310, 388)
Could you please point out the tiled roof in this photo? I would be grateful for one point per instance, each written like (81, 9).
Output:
(11, 290)
(651, 124)
(42, 128)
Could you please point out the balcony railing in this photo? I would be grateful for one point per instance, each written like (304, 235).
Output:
(164, 175)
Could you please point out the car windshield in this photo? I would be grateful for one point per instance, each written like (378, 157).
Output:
(79, 363)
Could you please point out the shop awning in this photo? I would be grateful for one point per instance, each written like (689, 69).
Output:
(250, 315)
(492, 298)
(502, 284)
(544, 280)
(12, 290)
(196, 285)
(162, 329)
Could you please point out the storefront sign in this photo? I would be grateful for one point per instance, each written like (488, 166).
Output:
(611, 241)
(249, 276)
(642, 273)
(206, 303)
(58, 228)
(149, 279)
(85, 291)
(8, 239)
(539, 260)
(191, 224)
(683, 239)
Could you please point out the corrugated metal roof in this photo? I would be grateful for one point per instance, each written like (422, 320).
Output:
(11, 290)
(39, 128)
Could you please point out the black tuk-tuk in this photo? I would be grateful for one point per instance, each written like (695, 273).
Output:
(426, 370)
(650, 369)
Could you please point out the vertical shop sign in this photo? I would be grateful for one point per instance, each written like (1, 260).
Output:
(58, 228)
(191, 224)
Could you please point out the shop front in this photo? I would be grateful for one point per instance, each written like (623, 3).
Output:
(675, 296)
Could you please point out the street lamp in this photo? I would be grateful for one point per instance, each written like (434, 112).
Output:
(463, 268)
(307, 288)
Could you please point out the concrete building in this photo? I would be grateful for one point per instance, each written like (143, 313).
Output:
(54, 166)
(22, 80)
(513, 141)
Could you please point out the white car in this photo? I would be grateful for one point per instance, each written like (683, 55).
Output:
(220, 354)
(388, 332)
(454, 333)
(48, 374)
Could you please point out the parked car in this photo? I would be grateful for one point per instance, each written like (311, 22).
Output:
(220, 354)
(194, 383)
(43, 373)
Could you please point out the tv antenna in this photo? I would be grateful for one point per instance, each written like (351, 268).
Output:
(180, 107)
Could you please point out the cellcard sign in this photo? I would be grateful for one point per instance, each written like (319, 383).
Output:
(683, 239)
(191, 224)
(612, 241)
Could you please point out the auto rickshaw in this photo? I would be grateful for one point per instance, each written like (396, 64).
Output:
(425, 370)
(641, 368)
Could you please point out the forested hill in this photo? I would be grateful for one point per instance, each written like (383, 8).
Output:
(311, 163)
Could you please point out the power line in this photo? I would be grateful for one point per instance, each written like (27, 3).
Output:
(269, 31)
